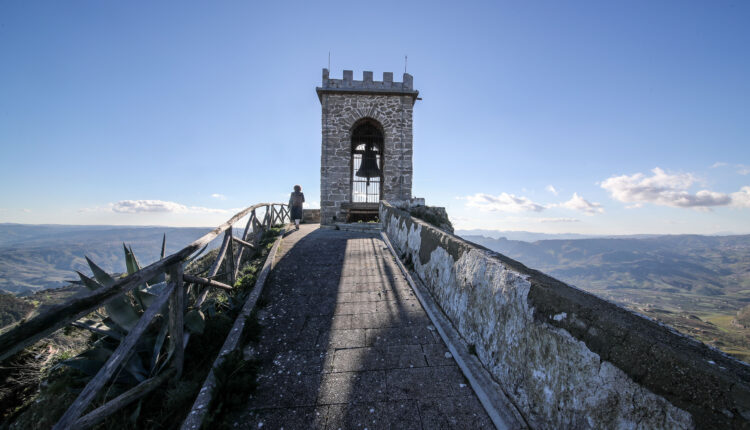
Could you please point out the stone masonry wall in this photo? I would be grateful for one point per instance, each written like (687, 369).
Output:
(344, 103)
(564, 357)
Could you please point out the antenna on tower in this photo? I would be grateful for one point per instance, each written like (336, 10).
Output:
(406, 59)
(329, 60)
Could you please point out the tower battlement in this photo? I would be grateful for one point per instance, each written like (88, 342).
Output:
(367, 84)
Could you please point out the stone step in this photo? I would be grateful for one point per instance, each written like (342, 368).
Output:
(367, 227)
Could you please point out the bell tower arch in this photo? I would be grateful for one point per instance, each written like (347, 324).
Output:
(366, 150)
(367, 162)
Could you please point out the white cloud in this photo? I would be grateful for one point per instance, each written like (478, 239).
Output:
(219, 196)
(551, 189)
(741, 198)
(578, 203)
(502, 203)
(159, 206)
(662, 189)
(557, 220)
(742, 169)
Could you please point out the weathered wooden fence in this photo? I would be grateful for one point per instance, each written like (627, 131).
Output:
(172, 296)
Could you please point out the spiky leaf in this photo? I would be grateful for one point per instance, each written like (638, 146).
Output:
(131, 264)
(135, 368)
(156, 289)
(119, 308)
(163, 245)
(144, 298)
(88, 282)
(195, 322)
(158, 345)
(161, 277)
(100, 275)
(89, 361)
(88, 367)
(101, 328)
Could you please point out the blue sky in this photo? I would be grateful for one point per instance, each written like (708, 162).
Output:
(587, 117)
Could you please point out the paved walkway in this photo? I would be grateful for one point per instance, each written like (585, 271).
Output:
(346, 344)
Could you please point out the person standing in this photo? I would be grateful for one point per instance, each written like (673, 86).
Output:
(295, 205)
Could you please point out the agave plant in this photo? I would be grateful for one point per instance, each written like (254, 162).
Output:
(120, 316)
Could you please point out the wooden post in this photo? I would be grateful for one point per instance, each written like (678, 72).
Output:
(177, 318)
(220, 257)
(207, 282)
(214, 269)
(194, 418)
(120, 356)
(243, 243)
(257, 233)
(99, 414)
(230, 259)
(241, 251)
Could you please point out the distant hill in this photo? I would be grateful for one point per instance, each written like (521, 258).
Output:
(530, 236)
(700, 285)
(716, 268)
(526, 236)
(37, 257)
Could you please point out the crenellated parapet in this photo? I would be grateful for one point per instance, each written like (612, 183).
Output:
(367, 85)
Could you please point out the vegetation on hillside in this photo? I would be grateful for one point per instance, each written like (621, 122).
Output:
(35, 258)
(48, 392)
(13, 309)
(743, 317)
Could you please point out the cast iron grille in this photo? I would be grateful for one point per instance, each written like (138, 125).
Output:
(361, 192)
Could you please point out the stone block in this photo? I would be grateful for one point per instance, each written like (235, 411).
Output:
(408, 81)
(454, 413)
(425, 382)
(352, 387)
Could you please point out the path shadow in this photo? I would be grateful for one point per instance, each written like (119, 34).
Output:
(345, 343)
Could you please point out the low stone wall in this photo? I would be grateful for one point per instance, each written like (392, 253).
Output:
(564, 357)
(311, 216)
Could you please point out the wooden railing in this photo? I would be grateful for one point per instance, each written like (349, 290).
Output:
(173, 296)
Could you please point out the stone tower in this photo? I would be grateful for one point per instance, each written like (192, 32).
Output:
(361, 118)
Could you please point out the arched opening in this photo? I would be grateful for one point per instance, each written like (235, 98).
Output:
(367, 144)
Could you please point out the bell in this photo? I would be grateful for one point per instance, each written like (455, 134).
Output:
(369, 167)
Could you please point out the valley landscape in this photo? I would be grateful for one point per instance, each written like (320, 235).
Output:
(699, 285)
(40, 257)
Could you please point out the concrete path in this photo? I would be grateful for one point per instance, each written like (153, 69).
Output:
(346, 345)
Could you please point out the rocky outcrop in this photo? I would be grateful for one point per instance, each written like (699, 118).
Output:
(434, 215)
